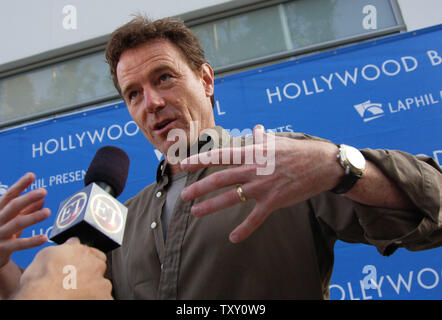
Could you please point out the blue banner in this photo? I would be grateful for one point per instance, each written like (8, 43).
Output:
(379, 94)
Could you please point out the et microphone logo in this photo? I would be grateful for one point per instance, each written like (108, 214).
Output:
(93, 216)
(71, 210)
(106, 213)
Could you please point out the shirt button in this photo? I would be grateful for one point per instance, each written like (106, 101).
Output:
(159, 193)
(153, 225)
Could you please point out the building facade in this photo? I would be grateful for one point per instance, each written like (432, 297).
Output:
(52, 61)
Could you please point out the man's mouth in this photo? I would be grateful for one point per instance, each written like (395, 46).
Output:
(163, 125)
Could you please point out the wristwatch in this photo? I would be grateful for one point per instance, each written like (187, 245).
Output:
(353, 162)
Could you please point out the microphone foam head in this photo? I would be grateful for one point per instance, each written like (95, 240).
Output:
(111, 166)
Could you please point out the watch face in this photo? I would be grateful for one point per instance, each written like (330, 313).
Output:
(355, 158)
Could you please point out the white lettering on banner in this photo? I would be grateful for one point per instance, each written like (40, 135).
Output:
(58, 179)
(249, 132)
(369, 72)
(46, 232)
(67, 177)
(369, 110)
(407, 66)
(437, 155)
(286, 128)
(80, 138)
(158, 154)
(96, 135)
(402, 284)
(3, 188)
(218, 109)
(430, 286)
(365, 73)
(328, 81)
(72, 141)
(270, 95)
(396, 68)
(293, 96)
(417, 102)
(38, 183)
(348, 76)
(434, 57)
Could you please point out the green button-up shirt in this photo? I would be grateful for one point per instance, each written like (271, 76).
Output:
(290, 256)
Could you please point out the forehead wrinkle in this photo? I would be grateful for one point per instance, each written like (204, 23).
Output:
(150, 51)
(137, 71)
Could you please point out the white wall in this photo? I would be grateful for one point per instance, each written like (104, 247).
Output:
(420, 14)
(30, 27)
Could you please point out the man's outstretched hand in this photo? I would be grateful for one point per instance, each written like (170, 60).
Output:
(295, 170)
(18, 212)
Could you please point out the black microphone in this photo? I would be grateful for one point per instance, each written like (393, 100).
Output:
(93, 214)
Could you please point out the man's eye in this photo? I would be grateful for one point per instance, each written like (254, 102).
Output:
(133, 95)
(165, 77)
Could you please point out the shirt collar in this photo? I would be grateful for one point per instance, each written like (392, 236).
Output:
(207, 140)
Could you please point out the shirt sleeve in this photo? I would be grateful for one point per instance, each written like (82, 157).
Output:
(419, 178)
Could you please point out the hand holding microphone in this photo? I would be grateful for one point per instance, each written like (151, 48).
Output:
(68, 271)
(93, 214)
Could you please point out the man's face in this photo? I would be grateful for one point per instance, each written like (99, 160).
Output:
(162, 92)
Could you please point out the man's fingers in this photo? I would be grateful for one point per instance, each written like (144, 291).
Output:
(35, 206)
(99, 254)
(228, 156)
(16, 189)
(13, 245)
(21, 222)
(215, 181)
(249, 225)
(15, 206)
(221, 201)
(218, 157)
(258, 134)
(95, 252)
(73, 240)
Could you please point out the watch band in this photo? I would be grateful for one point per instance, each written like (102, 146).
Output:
(346, 184)
(351, 174)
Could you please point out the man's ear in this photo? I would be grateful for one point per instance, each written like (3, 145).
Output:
(207, 76)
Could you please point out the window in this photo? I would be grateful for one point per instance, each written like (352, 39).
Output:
(71, 82)
(312, 22)
(242, 37)
(291, 26)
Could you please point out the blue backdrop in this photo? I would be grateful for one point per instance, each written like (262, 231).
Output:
(380, 94)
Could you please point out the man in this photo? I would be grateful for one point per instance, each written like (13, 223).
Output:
(284, 224)
(160, 71)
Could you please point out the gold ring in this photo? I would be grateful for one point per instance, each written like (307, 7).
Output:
(240, 193)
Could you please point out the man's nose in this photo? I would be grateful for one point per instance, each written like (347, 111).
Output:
(153, 100)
